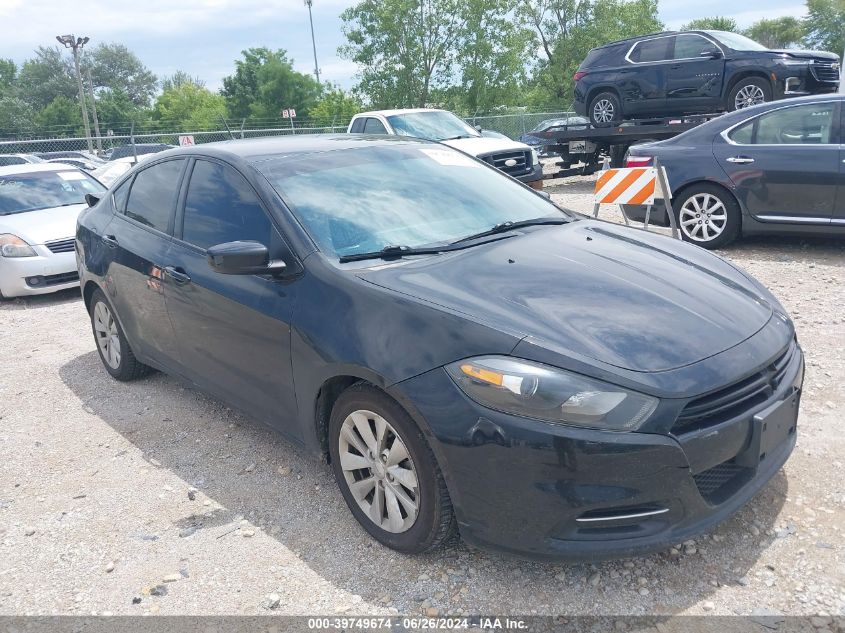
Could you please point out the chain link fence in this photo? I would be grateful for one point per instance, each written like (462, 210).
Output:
(511, 125)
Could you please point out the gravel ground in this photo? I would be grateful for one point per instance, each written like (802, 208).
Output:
(152, 498)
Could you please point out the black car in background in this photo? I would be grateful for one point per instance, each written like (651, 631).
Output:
(569, 122)
(680, 73)
(466, 354)
(773, 168)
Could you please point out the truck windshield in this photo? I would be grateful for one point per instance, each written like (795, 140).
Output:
(435, 125)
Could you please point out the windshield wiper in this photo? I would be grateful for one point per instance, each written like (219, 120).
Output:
(392, 251)
(504, 227)
(455, 138)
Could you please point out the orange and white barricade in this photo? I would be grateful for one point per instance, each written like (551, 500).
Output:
(634, 186)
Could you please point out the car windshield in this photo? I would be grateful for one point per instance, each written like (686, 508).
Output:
(736, 41)
(362, 200)
(435, 125)
(32, 191)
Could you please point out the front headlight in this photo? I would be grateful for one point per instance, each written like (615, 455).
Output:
(538, 391)
(13, 246)
(535, 157)
(795, 62)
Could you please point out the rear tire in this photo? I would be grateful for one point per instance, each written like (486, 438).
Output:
(402, 503)
(748, 92)
(708, 216)
(115, 352)
(605, 110)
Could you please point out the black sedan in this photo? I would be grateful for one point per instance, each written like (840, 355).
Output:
(773, 168)
(467, 355)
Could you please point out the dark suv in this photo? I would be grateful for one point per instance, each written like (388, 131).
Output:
(675, 74)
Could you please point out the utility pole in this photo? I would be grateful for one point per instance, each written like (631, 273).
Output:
(308, 4)
(94, 113)
(75, 44)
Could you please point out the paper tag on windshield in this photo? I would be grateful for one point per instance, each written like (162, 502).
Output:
(449, 157)
(71, 175)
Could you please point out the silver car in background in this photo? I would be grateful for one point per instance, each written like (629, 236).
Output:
(39, 204)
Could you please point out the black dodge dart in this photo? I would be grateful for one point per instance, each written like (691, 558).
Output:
(466, 355)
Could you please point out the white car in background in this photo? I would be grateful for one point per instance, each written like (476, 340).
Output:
(114, 169)
(39, 204)
(513, 158)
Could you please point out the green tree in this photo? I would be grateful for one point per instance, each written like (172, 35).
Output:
(61, 116)
(405, 47)
(178, 78)
(777, 32)
(825, 25)
(16, 115)
(565, 30)
(48, 75)
(335, 104)
(264, 83)
(189, 107)
(117, 112)
(716, 23)
(115, 66)
(8, 76)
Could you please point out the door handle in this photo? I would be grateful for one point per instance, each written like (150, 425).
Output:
(675, 66)
(109, 240)
(176, 274)
(740, 160)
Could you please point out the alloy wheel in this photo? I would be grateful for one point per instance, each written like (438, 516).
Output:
(748, 96)
(379, 471)
(603, 111)
(105, 329)
(703, 217)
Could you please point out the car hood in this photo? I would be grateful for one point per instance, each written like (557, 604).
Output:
(624, 297)
(44, 225)
(824, 55)
(485, 145)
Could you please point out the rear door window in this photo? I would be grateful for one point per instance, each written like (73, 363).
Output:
(152, 198)
(654, 50)
(357, 126)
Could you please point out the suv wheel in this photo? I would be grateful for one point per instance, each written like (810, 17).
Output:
(387, 472)
(605, 110)
(708, 216)
(749, 92)
(117, 356)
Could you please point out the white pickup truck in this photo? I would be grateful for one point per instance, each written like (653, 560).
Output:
(513, 158)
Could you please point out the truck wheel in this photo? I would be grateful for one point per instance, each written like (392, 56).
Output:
(605, 110)
(749, 92)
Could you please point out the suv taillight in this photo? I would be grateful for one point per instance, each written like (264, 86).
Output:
(579, 75)
(638, 161)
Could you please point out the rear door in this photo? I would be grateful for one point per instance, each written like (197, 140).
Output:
(694, 82)
(642, 81)
(138, 240)
(233, 331)
(785, 163)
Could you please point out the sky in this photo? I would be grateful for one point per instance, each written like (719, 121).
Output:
(205, 37)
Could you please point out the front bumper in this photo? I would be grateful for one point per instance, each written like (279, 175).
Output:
(534, 178)
(46, 272)
(540, 490)
(802, 80)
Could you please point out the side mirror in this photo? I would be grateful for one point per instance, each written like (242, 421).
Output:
(477, 127)
(545, 194)
(91, 199)
(243, 258)
(712, 53)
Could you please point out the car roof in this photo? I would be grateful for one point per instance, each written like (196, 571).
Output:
(631, 40)
(254, 150)
(35, 167)
(399, 111)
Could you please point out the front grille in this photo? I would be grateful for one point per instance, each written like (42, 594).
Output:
(825, 71)
(731, 401)
(61, 246)
(42, 281)
(720, 482)
(521, 162)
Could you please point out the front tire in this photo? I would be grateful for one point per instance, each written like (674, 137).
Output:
(387, 473)
(749, 92)
(605, 110)
(115, 352)
(708, 216)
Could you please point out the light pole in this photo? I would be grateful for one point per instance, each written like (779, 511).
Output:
(76, 43)
(94, 113)
(308, 4)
